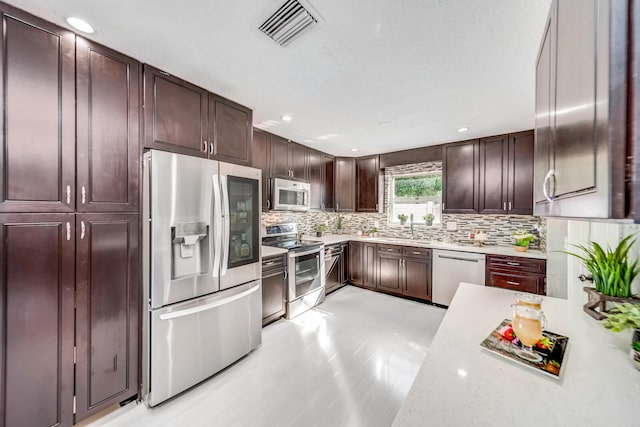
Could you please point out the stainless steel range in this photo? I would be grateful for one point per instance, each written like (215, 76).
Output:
(306, 280)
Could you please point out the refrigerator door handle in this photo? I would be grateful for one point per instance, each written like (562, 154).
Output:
(226, 225)
(217, 225)
(209, 306)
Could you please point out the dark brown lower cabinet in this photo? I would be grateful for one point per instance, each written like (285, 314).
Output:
(417, 278)
(516, 273)
(36, 319)
(107, 286)
(274, 285)
(389, 268)
(369, 265)
(355, 263)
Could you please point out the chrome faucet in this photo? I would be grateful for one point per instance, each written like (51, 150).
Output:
(412, 232)
(300, 234)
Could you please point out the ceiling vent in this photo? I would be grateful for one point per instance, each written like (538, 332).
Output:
(288, 22)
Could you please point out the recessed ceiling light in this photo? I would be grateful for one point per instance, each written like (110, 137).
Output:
(384, 123)
(80, 25)
(463, 129)
(354, 149)
(286, 118)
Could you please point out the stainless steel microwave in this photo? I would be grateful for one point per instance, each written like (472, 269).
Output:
(289, 195)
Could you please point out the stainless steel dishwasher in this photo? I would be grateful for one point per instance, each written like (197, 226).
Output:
(452, 267)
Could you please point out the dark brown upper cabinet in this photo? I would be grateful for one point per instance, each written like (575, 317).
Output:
(316, 172)
(328, 182)
(460, 177)
(586, 97)
(345, 191)
(494, 164)
(37, 159)
(175, 114)
(520, 172)
(230, 125)
(280, 166)
(107, 129)
(367, 177)
(260, 153)
(107, 285)
(36, 317)
(298, 161)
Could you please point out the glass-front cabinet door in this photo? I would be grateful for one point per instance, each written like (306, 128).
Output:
(244, 221)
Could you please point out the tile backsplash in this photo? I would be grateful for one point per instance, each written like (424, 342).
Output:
(498, 227)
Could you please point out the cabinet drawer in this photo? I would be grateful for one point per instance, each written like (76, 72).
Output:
(409, 251)
(517, 282)
(517, 264)
(390, 249)
(273, 262)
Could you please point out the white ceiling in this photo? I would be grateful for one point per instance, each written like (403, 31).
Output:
(427, 67)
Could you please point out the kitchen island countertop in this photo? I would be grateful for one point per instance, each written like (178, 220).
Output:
(461, 384)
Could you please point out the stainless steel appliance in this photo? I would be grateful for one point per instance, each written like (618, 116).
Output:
(201, 270)
(306, 267)
(289, 195)
(452, 267)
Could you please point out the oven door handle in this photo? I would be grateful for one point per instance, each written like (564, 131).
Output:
(312, 251)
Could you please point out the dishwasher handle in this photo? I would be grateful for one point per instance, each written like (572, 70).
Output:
(458, 258)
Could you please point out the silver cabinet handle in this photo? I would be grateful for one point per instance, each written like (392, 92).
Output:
(83, 194)
(337, 207)
(504, 206)
(545, 191)
(68, 231)
(509, 206)
(389, 250)
(509, 282)
(82, 230)
(68, 194)
(513, 263)
(205, 147)
(270, 263)
(212, 147)
(416, 253)
(268, 204)
(286, 274)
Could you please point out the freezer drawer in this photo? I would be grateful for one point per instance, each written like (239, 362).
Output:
(193, 340)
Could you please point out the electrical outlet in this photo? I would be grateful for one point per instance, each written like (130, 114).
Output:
(452, 226)
(376, 224)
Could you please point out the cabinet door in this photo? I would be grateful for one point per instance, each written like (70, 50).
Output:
(316, 172)
(260, 159)
(356, 259)
(367, 174)
(230, 125)
(345, 262)
(37, 159)
(273, 295)
(345, 184)
(279, 157)
(36, 319)
(389, 272)
(298, 161)
(520, 186)
(417, 278)
(460, 177)
(575, 145)
(516, 281)
(107, 323)
(494, 164)
(545, 87)
(175, 114)
(328, 182)
(369, 265)
(107, 128)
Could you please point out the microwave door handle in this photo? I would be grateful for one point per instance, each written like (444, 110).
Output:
(216, 238)
(226, 224)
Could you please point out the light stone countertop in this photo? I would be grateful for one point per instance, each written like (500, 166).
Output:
(461, 384)
(493, 250)
(268, 251)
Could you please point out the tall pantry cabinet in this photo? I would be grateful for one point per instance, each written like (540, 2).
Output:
(69, 173)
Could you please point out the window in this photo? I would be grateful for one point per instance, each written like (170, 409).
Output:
(418, 195)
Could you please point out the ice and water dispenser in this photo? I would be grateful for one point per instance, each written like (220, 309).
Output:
(189, 249)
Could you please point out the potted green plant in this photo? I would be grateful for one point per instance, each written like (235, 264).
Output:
(320, 228)
(523, 240)
(622, 317)
(612, 272)
(339, 224)
(403, 218)
(428, 218)
(373, 232)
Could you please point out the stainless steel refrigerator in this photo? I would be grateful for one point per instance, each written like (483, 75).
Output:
(201, 270)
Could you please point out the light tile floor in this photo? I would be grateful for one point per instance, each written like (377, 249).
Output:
(349, 362)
